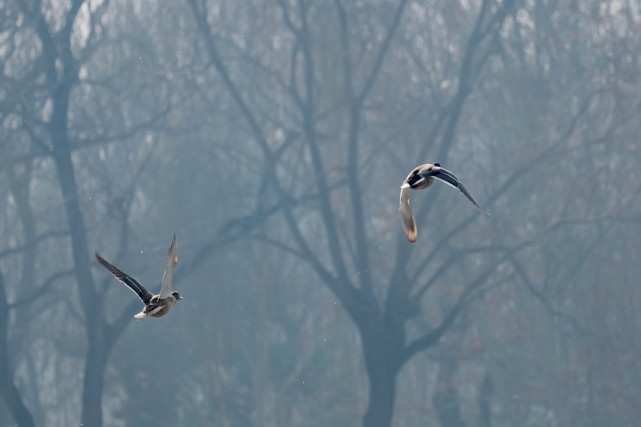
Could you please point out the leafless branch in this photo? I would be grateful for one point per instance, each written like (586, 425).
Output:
(27, 245)
(42, 289)
(432, 337)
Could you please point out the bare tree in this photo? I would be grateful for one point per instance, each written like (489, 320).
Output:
(380, 321)
(62, 52)
(273, 137)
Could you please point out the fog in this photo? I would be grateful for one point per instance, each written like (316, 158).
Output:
(272, 138)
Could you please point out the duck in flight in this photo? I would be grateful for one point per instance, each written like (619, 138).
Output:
(155, 305)
(419, 179)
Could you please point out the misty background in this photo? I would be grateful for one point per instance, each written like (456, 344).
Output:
(272, 137)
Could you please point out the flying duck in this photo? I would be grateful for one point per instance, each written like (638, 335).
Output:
(419, 179)
(155, 305)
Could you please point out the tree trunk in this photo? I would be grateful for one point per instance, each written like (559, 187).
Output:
(382, 390)
(97, 347)
(96, 363)
(97, 343)
(19, 181)
(8, 389)
(382, 365)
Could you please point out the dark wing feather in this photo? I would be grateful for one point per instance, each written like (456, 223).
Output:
(451, 179)
(123, 277)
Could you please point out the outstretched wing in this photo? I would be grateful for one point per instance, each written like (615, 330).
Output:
(123, 277)
(407, 216)
(172, 260)
(450, 179)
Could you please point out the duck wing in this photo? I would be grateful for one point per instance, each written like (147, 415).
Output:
(144, 295)
(449, 178)
(172, 260)
(407, 216)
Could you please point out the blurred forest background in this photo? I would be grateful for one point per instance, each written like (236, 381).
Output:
(272, 137)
